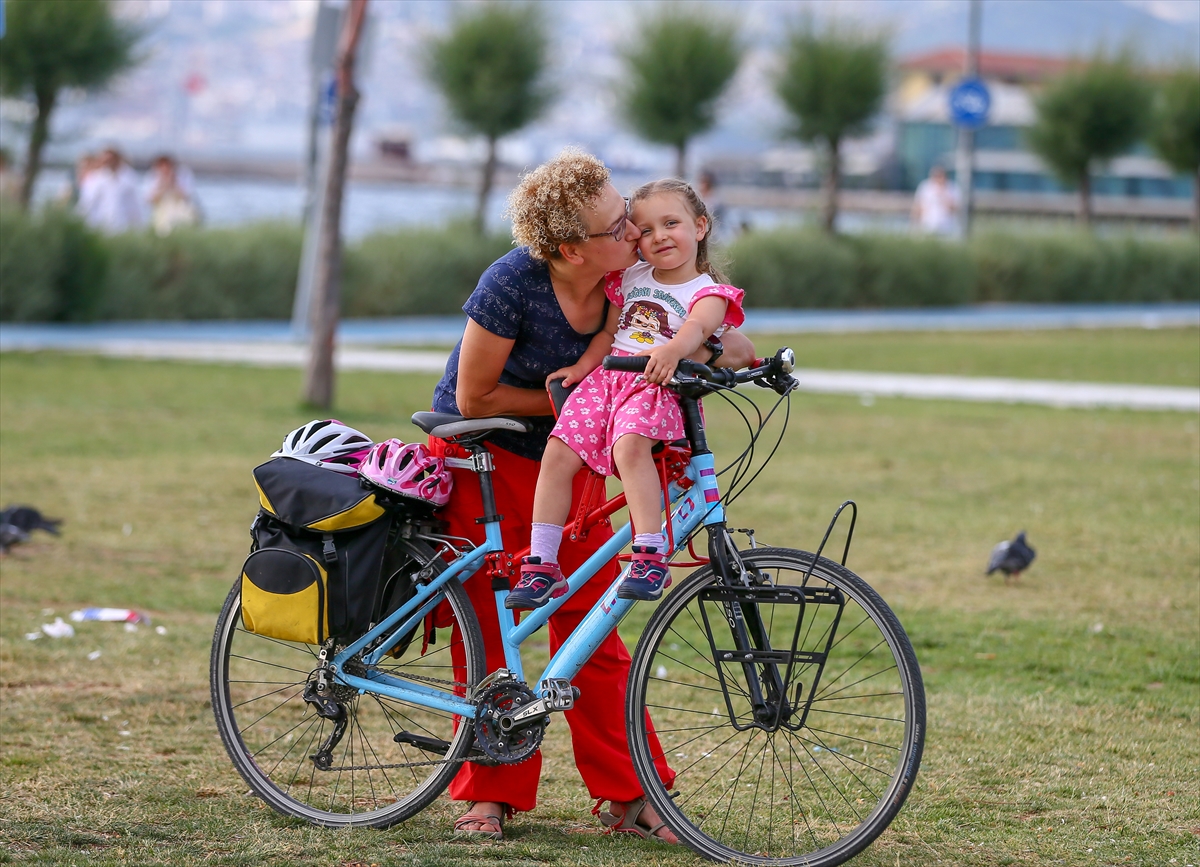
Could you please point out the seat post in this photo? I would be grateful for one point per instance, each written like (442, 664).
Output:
(486, 489)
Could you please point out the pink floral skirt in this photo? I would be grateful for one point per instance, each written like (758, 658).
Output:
(608, 404)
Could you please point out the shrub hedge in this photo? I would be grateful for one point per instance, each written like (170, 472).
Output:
(52, 268)
(417, 272)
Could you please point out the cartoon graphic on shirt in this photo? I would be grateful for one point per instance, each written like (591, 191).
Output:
(645, 319)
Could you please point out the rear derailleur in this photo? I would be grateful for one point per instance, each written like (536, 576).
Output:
(328, 699)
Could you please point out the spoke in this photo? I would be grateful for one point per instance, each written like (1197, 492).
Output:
(853, 738)
(255, 698)
(243, 729)
(842, 758)
(860, 715)
(290, 645)
(256, 661)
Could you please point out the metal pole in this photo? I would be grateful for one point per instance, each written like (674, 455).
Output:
(965, 158)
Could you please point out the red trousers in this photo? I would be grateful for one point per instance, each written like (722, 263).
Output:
(597, 721)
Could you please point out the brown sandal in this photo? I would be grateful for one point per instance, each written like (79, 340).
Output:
(629, 821)
(469, 818)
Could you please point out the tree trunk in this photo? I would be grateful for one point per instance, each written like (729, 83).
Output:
(37, 140)
(1085, 199)
(681, 160)
(327, 287)
(1196, 201)
(833, 179)
(485, 187)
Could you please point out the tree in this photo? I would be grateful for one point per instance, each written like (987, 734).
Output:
(677, 66)
(490, 69)
(832, 82)
(1087, 117)
(327, 277)
(1175, 132)
(52, 44)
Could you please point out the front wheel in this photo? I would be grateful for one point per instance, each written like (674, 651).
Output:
(390, 759)
(792, 712)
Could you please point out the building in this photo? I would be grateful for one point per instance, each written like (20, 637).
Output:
(924, 135)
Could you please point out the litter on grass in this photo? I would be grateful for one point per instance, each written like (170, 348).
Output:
(110, 615)
(58, 629)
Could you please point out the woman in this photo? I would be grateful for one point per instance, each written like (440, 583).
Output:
(535, 311)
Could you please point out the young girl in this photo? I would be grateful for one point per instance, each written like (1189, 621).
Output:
(663, 308)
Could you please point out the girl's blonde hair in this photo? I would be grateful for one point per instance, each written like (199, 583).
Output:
(695, 205)
(547, 207)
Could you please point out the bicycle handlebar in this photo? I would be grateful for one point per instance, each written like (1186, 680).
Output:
(774, 372)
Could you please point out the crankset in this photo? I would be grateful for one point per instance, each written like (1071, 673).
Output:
(501, 733)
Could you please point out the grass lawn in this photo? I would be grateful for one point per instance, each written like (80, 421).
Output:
(1064, 709)
(1170, 356)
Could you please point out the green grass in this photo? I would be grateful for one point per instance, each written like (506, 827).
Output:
(1170, 356)
(1064, 709)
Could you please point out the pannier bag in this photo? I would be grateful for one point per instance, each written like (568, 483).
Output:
(318, 546)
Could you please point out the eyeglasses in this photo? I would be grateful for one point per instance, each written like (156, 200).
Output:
(618, 231)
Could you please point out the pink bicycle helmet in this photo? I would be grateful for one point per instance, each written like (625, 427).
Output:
(326, 443)
(407, 469)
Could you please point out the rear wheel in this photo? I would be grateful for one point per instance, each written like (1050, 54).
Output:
(393, 758)
(795, 745)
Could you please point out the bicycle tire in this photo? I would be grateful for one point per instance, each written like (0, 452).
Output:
(269, 730)
(815, 791)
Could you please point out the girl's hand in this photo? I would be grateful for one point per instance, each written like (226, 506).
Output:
(663, 361)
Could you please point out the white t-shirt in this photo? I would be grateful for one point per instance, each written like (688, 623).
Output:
(652, 312)
(938, 206)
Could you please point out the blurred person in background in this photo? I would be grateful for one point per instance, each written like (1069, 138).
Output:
(935, 204)
(171, 196)
(85, 164)
(707, 189)
(108, 195)
(8, 178)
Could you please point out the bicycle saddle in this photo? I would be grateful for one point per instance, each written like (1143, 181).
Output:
(445, 425)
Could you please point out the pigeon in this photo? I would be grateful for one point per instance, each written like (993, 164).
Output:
(1011, 558)
(10, 535)
(17, 522)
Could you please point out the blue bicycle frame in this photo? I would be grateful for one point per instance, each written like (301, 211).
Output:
(699, 504)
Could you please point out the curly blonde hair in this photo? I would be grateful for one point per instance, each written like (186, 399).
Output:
(547, 207)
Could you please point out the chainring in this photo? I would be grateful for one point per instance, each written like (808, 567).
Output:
(517, 744)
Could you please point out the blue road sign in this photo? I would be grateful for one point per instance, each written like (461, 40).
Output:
(969, 103)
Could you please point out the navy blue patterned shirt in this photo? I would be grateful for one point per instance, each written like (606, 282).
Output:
(515, 299)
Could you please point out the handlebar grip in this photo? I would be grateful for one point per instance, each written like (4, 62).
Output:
(629, 363)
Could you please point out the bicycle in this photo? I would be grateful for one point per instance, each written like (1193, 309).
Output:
(782, 688)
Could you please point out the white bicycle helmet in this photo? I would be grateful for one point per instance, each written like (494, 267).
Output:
(326, 443)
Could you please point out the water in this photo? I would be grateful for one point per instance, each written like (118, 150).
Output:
(380, 207)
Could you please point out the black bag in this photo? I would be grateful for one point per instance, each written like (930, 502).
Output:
(314, 567)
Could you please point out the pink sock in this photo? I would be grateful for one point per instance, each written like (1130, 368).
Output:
(544, 541)
(657, 541)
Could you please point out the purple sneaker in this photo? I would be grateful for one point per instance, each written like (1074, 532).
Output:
(648, 575)
(540, 582)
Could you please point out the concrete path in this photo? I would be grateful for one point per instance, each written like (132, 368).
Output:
(445, 330)
(271, 344)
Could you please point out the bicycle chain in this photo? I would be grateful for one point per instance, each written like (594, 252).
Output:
(426, 679)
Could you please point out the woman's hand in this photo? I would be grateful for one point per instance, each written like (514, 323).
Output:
(571, 375)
